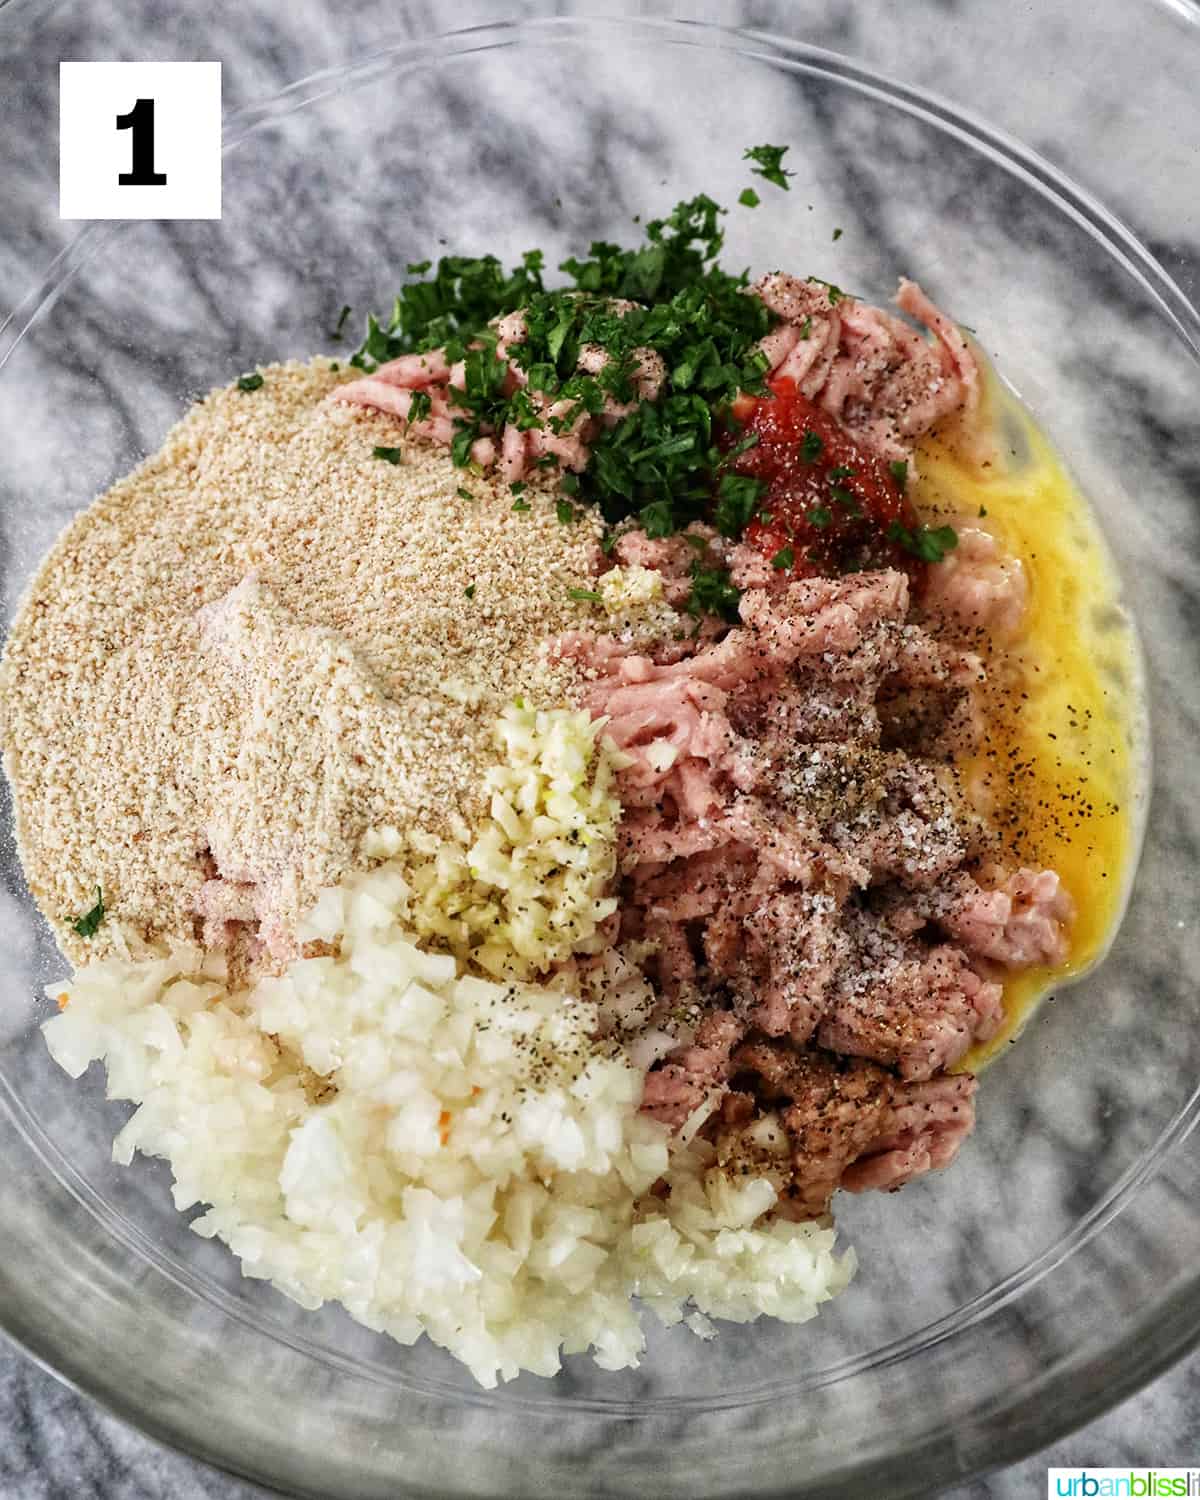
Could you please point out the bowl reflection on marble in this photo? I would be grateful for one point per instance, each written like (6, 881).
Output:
(1055, 1268)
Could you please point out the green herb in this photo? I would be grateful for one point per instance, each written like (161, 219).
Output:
(584, 596)
(770, 164)
(930, 544)
(812, 446)
(335, 366)
(518, 487)
(899, 471)
(806, 327)
(469, 591)
(521, 505)
(464, 494)
(662, 460)
(737, 500)
(87, 925)
(819, 516)
(420, 406)
(842, 471)
(460, 444)
(983, 510)
(743, 445)
(834, 292)
(784, 558)
(837, 234)
(657, 519)
(607, 542)
(712, 593)
(696, 543)
(451, 308)
(748, 198)
(249, 382)
(336, 335)
(389, 455)
(565, 512)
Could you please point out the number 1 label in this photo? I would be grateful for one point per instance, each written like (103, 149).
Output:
(140, 140)
(140, 120)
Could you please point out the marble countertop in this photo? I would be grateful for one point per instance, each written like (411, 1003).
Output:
(54, 1443)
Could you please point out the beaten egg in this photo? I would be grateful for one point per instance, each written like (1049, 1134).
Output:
(1062, 763)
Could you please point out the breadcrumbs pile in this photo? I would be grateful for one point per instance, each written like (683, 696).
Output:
(258, 646)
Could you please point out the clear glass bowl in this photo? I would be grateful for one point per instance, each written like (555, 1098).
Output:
(1055, 1269)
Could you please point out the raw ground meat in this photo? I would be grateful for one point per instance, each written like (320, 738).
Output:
(823, 912)
(874, 373)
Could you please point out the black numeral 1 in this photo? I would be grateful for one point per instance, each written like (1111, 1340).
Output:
(140, 120)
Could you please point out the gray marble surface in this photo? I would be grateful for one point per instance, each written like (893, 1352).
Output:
(52, 1442)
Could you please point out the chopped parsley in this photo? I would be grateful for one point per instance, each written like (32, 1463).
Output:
(661, 462)
(584, 596)
(929, 543)
(898, 469)
(663, 465)
(460, 445)
(819, 516)
(464, 494)
(770, 164)
(837, 234)
(784, 558)
(469, 591)
(834, 293)
(520, 504)
(657, 519)
(87, 925)
(712, 593)
(737, 500)
(389, 455)
(249, 382)
(518, 487)
(336, 335)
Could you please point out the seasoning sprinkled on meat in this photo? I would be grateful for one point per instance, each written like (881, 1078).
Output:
(804, 869)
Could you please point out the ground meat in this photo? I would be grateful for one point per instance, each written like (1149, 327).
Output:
(684, 1083)
(845, 1123)
(916, 1009)
(803, 869)
(831, 1109)
(873, 372)
(977, 588)
(923, 1128)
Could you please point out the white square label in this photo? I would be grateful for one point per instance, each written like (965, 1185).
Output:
(139, 140)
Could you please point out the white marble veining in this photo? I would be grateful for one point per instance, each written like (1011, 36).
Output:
(53, 1443)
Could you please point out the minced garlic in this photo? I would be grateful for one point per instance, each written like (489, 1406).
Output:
(530, 889)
